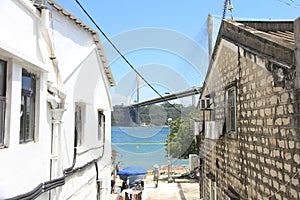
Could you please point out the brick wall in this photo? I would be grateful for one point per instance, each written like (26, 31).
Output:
(261, 160)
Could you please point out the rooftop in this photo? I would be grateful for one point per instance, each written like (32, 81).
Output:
(271, 39)
(60, 9)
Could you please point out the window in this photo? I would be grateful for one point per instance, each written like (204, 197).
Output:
(205, 103)
(27, 113)
(79, 124)
(2, 100)
(231, 110)
(101, 125)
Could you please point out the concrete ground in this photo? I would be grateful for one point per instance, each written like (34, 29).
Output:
(181, 189)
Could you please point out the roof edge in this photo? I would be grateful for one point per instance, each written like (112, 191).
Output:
(246, 36)
(94, 35)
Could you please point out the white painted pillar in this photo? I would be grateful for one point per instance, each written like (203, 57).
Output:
(56, 156)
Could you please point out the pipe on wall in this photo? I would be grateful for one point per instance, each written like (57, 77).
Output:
(56, 98)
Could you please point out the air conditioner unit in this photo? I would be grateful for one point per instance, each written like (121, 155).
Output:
(213, 129)
(196, 128)
(209, 129)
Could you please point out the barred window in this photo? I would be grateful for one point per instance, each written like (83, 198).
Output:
(27, 113)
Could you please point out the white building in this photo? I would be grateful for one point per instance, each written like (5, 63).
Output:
(55, 106)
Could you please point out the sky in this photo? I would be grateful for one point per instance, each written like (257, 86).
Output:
(169, 37)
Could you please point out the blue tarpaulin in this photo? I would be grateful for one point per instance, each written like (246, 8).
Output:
(132, 171)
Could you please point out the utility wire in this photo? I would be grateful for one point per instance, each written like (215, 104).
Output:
(227, 4)
(117, 50)
(290, 3)
(123, 57)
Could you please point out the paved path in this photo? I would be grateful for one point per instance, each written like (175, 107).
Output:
(181, 189)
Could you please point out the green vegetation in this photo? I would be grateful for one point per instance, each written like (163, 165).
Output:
(150, 115)
(182, 139)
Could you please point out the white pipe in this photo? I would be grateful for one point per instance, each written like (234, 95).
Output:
(59, 92)
(29, 6)
(56, 101)
(56, 157)
(44, 29)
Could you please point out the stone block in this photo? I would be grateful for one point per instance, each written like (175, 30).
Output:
(284, 98)
(294, 193)
(291, 109)
(278, 122)
(263, 82)
(291, 144)
(273, 100)
(281, 143)
(297, 158)
(286, 121)
(288, 167)
(259, 122)
(273, 173)
(268, 111)
(270, 122)
(287, 156)
(279, 110)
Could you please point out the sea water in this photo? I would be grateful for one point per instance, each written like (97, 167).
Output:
(142, 146)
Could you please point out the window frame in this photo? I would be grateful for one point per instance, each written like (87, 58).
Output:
(231, 110)
(28, 98)
(3, 97)
(101, 125)
(79, 115)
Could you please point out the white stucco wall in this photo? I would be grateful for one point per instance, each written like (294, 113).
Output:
(84, 80)
(20, 32)
(23, 166)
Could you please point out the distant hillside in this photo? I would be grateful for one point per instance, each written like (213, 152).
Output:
(150, 115)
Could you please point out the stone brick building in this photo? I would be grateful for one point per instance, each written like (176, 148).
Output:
(250, 113)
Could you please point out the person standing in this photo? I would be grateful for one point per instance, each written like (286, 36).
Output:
(155, 175)
(118, 166)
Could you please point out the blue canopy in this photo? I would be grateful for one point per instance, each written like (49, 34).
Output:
(132, 171)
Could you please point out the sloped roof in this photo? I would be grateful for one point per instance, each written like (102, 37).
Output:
(94, 34)
(278, 31)
(271, 39)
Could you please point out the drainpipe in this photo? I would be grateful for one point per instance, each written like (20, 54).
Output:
(57, 103)
(56, 168)
(45, 19)
(56, 98)
(297, 51)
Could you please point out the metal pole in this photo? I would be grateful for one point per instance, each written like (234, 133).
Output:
(169, 156)
(138, 99)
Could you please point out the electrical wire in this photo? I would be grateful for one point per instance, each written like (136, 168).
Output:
(291, 3)
(227, 4)
(122, 56)
(117, 50)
